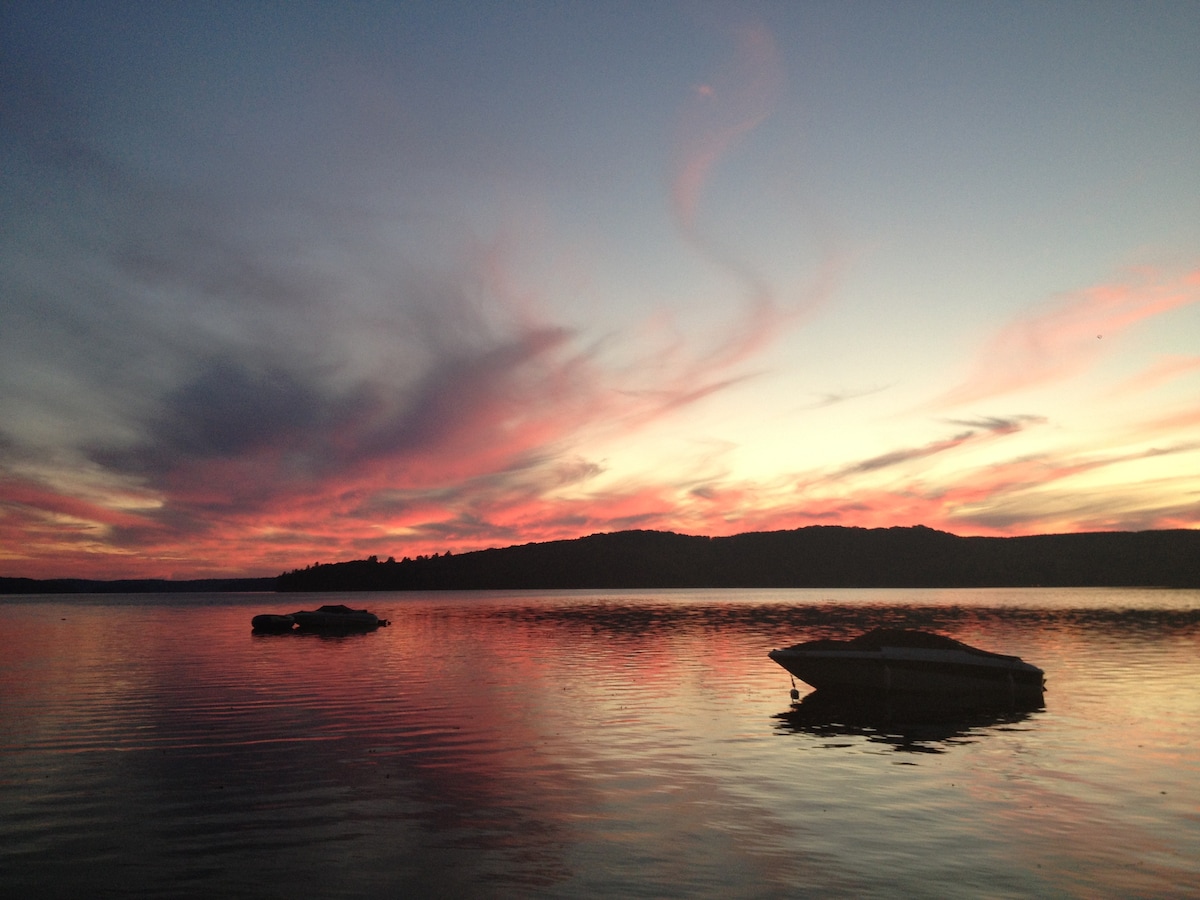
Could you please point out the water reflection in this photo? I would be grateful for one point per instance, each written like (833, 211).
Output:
(834, 618)
(907, 724)
(565, 745)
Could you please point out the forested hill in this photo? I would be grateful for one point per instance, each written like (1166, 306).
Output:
(818, 556)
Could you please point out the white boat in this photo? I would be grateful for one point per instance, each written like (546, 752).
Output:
(892, 661)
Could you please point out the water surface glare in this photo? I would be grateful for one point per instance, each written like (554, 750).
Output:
(616, 744)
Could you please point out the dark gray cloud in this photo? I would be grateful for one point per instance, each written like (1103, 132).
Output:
(833, 398)
(195, 323)
(993, 425)
(898, 457)
(229, 408)
(239, 351)
(1000, 424)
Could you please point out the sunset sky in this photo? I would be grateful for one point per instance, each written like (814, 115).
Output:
(284, 283)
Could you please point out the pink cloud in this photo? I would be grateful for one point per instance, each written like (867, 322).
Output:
(259, 469)
(260, 461)
(1067, 335)
(481, 454)
(46, 501)
(1165, 370)
(1181, 421)
(366, 511)
(735, 102)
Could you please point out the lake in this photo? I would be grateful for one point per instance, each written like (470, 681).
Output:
(612, 744)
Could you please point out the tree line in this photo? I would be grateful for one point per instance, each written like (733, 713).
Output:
(816, 556)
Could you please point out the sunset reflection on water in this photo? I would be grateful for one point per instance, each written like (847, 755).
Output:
(621, 744)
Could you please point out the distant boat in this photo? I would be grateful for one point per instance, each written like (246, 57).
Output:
(336, 618)
(900, 662)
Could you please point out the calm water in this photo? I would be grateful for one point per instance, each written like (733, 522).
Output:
(611, 744)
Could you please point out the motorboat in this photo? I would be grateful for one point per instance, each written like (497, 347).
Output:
(337, 618)
(901, 662)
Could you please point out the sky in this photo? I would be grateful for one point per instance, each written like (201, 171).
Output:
(286, 283)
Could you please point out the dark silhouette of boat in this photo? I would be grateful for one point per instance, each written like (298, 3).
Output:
(889, 662)
(336, 619)
(269, 623)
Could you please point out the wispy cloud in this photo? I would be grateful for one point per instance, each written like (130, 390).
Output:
(270, 407)
(720, 113)
(1166, 370)
(1064, 337)
(978, 430)
(733, 103)
(303, 343)
(263, 369)
(834, 398)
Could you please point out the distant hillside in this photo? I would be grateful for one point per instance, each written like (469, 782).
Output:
(818, 556)
(132, 585)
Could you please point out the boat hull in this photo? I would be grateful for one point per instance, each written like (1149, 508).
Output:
(337, 619)
(953, 670)
(272, 624)
(323, 622)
